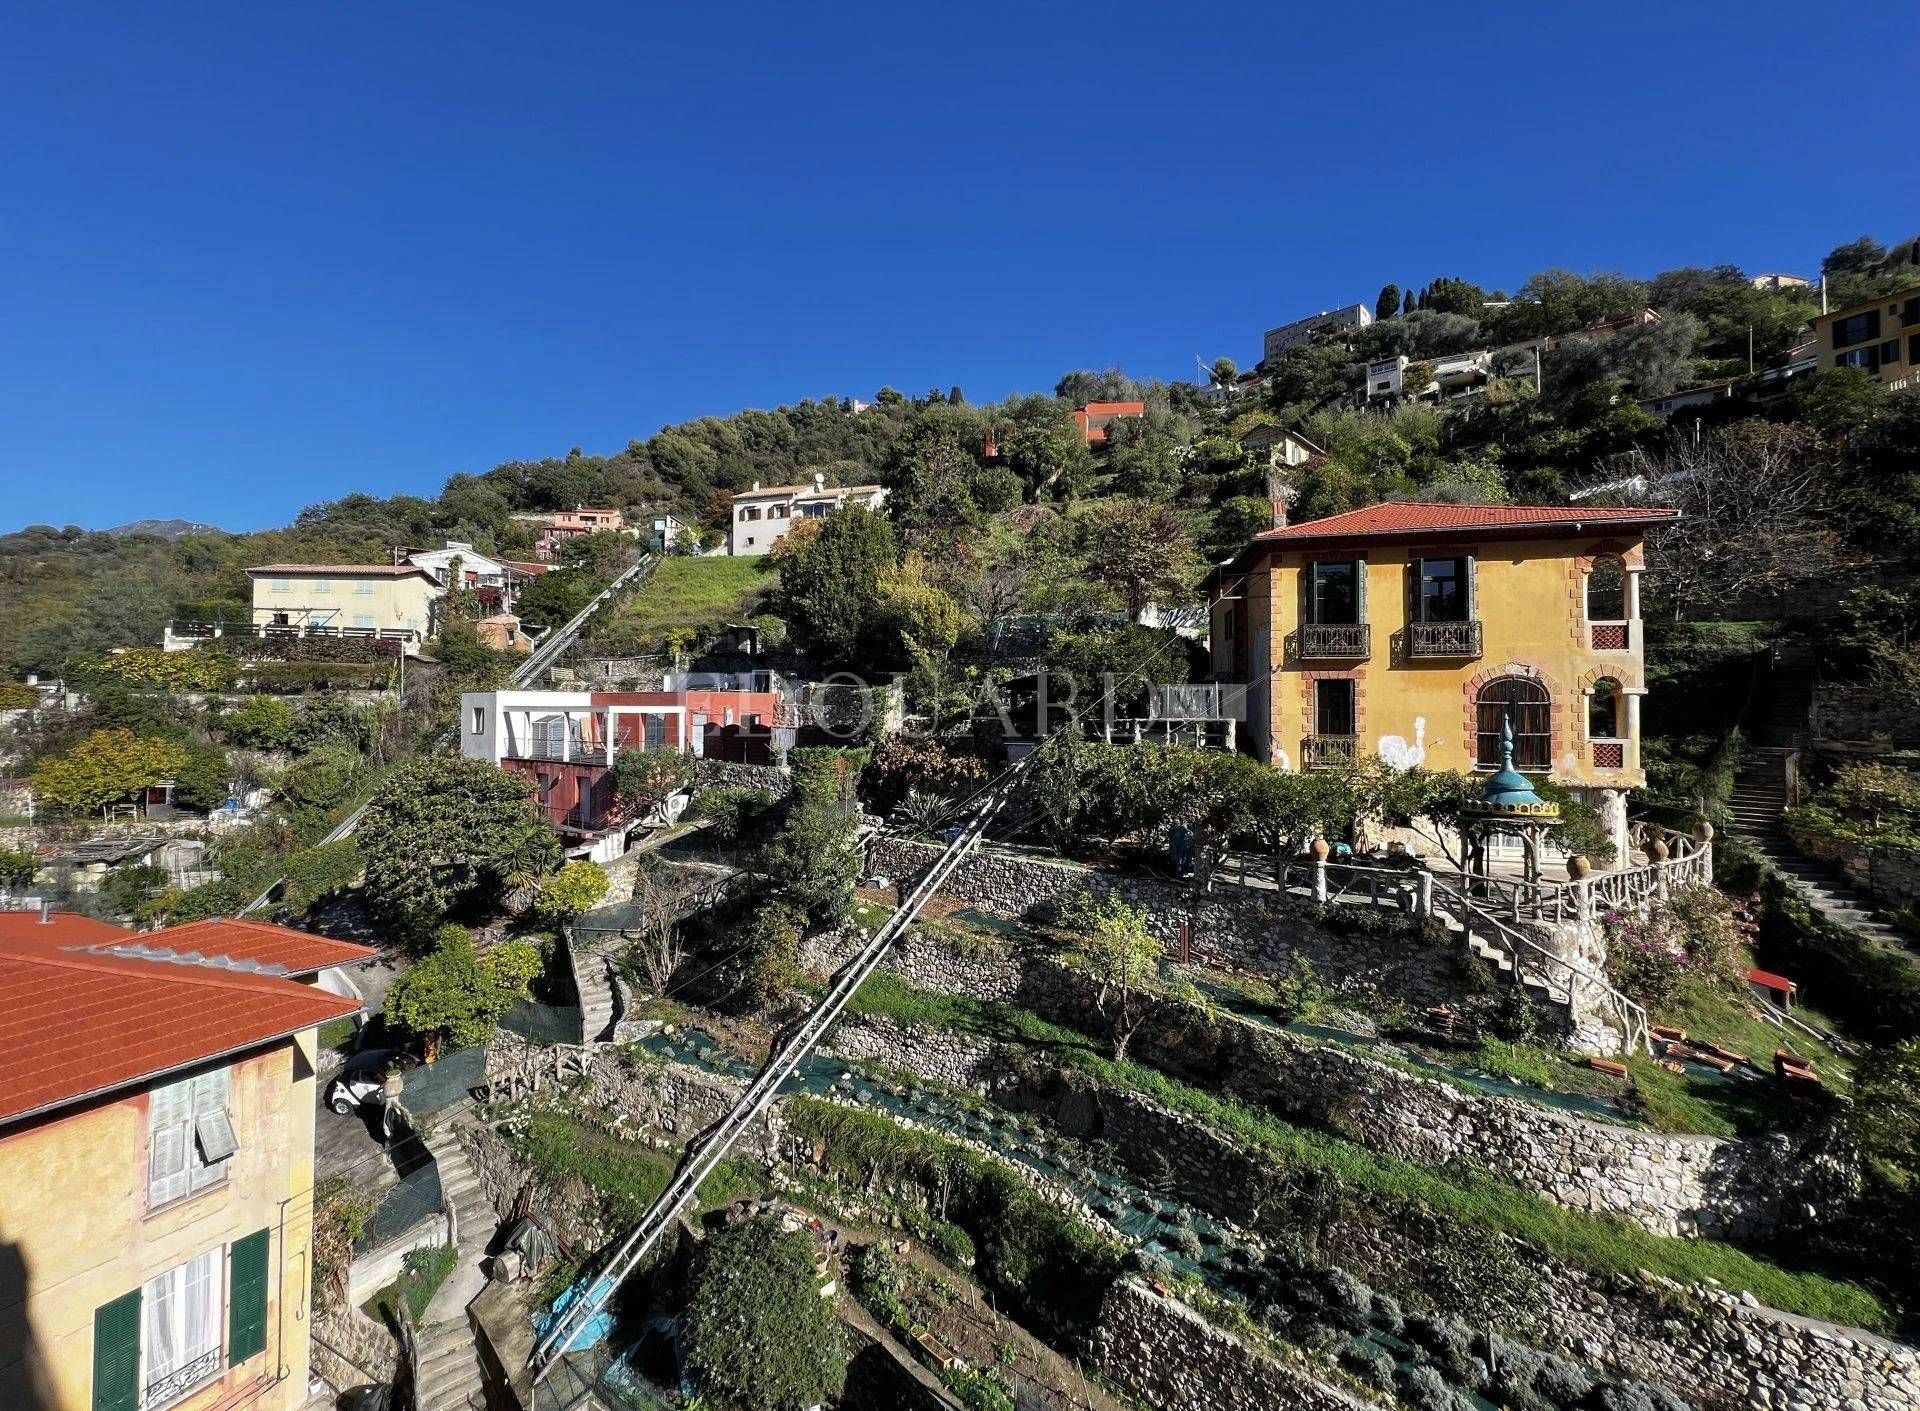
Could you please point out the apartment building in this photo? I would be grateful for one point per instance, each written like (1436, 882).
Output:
(1411, 631)
(1881, 335)
(353, 600)
(552, 531)
(1301, 330)
(156, 1161)
(763, 515)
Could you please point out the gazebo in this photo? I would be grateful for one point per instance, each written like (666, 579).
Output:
(1508, 804)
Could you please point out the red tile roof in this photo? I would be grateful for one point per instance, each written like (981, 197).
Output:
(1417, 518)
(358, 570)
(77, 1021)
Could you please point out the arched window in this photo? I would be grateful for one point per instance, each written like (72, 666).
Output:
(1607, 591)
(1526, 703)
(1603, 711)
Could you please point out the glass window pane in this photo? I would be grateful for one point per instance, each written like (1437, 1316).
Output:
(1336, 596)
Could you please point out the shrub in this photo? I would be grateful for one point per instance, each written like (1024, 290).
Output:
(198, 670)
(1424, 1389)
(979, 1390)
(17, 695)
(1450, 1346)
(17, 867)
(903, 764)
(576, 887)
(1299, 993)
(319, 872)
(224, 897)
(294, 677)
(1698, 937)
(260, 723)
(1371, 1363)
(645, 779)
(730, 810)
(758, 1334)
(455, 995)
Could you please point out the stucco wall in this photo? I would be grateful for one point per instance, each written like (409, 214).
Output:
(75, 1233)
(1531, 601)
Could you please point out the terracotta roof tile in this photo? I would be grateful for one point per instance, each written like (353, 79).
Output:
(76, 1021)
(1417, 518)
(360, 570)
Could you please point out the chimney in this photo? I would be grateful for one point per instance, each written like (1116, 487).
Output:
(1279, 514)
(819, 481)
(756, 485)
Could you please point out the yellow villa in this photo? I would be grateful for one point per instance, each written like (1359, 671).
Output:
(1411, 631)
(156, 1162)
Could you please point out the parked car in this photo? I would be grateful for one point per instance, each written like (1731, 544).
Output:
(364, 1079)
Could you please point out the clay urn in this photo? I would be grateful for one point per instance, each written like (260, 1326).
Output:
(1320, 849)
(1578, 868)
(1703, 832)
(1657, 848)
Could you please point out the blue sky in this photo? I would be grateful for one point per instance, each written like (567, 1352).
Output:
(255, 256)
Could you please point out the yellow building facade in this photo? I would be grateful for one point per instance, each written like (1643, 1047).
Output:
(1408, 632)
(156, 1162)
(346, 599)
(94, 1255)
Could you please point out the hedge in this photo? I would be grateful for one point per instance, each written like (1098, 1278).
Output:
(292, 677)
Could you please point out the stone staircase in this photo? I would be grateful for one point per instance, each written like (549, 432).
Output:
(450, 1375)
(593, 976)
(1778, 724)
(1759, 798)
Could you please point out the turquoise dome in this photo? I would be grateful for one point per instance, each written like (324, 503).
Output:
(1510, 792)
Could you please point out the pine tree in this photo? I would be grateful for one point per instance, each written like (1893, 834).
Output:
(1388, 304)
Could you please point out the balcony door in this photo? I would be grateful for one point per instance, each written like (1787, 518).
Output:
(1335, 596)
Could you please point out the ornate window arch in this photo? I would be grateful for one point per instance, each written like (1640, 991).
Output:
(1526, 701)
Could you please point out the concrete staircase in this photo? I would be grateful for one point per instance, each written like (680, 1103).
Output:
(450, 1376)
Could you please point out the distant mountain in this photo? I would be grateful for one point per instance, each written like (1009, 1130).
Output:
(166, 528)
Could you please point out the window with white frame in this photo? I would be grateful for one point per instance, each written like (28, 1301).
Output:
(364, 587)
(321, 585)
(180, 1339)
(283, 585)
(189, 1137)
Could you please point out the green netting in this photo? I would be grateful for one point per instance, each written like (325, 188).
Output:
(417, 1197)
(434, 1087)
(544, 1023)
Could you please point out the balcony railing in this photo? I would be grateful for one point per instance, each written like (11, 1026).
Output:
(208, 631)
(1324, 640)
(167, 1388)
(551, 750)
(1444, 639)
(1329, 751)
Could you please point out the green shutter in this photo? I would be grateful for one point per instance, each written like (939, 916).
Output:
(116, 1354)
(247, 1299)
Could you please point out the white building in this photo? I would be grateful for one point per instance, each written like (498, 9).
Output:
(763, 515)
(1453, 374)
(476, 569)
(1301, 330)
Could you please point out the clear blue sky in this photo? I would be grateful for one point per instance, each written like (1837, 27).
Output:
(255, 256)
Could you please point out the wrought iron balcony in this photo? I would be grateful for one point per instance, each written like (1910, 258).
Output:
(1329, 751)
(1321, 641)
(1444, 639)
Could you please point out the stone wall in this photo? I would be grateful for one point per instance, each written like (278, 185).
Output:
(1252, 928)
(1888, 874)
(1167, 1355)
(350, 1350)
(1673, 1184)
(712, 773)
(1863, 713)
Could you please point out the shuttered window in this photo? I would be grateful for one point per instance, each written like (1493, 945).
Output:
(116, 1354)
(247, 1300)
(189, 1136)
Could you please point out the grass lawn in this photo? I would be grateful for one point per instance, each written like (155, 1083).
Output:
(698, 592)
(1613, 1246)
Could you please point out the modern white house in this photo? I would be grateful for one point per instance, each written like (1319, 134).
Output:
(1301, 330)
(763, 515)
(1452, 374)
(476, 569)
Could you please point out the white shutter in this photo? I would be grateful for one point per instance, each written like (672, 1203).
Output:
(169, 1112)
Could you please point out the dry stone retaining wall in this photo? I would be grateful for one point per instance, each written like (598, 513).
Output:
(1673, 1184)
(1243, 927)
(1167, 1355)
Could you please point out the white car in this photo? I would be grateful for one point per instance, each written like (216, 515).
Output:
(364, 1080)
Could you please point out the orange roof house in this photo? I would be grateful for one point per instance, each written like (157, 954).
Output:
(156, 1158)
(1094, 418)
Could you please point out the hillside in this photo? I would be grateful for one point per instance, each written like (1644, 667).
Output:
(972, 483)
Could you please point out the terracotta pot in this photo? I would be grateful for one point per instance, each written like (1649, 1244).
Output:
(1578, 867)
(1320, 849)
(1703, 832)
(1657, 849)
